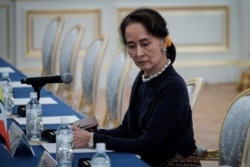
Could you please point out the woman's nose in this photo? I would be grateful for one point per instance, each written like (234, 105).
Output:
(139, 51)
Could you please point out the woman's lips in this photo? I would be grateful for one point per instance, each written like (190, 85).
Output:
(141, 62)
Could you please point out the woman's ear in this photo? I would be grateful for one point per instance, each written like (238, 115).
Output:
(163, 43)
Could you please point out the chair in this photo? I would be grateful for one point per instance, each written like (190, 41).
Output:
(68, 59)
(246, 151)
(50, 45)
(91, 68)
(244, 81)
(194, 86)
(116, 89)
(234, 136)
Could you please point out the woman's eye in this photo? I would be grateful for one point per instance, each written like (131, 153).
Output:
(145, 44)
(131, 46)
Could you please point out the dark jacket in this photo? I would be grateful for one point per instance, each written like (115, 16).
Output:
(158, 122)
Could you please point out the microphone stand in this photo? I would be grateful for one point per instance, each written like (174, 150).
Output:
(37, 87)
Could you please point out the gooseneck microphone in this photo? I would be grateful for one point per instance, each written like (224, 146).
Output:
(66, 78)
(38, 82)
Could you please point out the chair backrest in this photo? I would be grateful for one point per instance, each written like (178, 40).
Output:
(234, 131)
(69, 52)
(90, 70)
(50, 44)
(70, 48)
(194, 86)
(116, 86)
(246, 151)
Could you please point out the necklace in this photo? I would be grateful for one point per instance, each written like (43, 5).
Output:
(144, 79)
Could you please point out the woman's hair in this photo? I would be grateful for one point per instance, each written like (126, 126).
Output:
(154, 24)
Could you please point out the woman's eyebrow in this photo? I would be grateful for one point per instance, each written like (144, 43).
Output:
(130, 42)
(144, 40)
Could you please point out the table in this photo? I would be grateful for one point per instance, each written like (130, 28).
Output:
(23, 159)
(26, 160)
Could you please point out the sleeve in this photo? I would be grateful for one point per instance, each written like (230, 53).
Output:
(120, 131)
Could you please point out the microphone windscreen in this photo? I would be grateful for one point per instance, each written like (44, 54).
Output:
(67, 78)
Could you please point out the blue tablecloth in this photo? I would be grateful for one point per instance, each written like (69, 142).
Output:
(24, 159)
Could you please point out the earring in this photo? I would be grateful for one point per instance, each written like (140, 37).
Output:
(163, 49)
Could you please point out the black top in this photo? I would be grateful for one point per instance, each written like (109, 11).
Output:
(158, 122)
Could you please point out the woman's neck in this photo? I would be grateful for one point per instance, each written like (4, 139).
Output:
(157, 68)
(150, 77)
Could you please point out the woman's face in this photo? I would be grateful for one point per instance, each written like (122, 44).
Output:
(145, 49)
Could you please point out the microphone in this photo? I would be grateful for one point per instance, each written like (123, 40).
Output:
(66, 78)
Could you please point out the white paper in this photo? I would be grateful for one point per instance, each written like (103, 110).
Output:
(42, 100)
(48, 120)
(51, 148)
(17, 84)
(6, 69)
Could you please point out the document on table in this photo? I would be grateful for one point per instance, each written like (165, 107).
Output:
(6, 69)
(42, 100)
(47, 120)
(17, 84)
(51, 148)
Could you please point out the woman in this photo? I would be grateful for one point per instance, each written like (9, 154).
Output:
(158, 123)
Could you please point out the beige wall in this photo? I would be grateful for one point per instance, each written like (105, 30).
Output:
(212, 37)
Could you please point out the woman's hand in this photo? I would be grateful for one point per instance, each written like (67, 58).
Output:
(81, 137)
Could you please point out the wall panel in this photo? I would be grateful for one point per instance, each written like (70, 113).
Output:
(195, 29)
(37, 21)
(4, 31)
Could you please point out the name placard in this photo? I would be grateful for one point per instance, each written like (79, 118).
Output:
(18, 140)
(47, 160)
